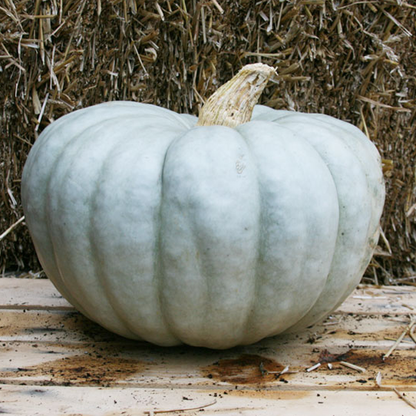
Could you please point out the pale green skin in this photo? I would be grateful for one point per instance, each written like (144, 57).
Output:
(209, 236)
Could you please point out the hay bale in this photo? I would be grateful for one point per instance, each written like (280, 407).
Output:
(352, 60)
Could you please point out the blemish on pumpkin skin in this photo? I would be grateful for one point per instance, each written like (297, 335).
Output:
(247, 369)
(240, 166)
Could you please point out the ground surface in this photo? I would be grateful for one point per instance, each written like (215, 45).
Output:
(54, 361)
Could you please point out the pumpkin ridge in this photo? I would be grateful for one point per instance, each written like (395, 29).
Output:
(99, 273)
(202, 189)
(136, 329)
(246, 338)
(159, 266)
(330, 292)
(60, 283)
(375, 212)
(289, 151)
(47, 136)
(79, 146)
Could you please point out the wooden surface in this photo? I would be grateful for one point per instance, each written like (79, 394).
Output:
(53, 361)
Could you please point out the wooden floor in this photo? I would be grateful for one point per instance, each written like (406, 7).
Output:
(53, 361)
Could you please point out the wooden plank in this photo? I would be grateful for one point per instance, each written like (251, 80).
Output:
(30, 294)
(128, 366)
(96, 401)
(391, 300)
(71, 327)
(41, 294)
(55, 360)
(61, 348)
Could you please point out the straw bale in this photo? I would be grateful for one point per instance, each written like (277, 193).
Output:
(354, 60)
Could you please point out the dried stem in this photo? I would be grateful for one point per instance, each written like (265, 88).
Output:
(11, 228)
(233, 103)
(399, 340)
(404, 398)
(353, 366)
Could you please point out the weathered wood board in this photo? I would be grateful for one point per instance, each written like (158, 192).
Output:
(54, 361)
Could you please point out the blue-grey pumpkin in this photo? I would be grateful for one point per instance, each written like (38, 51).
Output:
(163, 230)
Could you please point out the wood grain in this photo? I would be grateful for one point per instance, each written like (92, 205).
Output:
(55, 361)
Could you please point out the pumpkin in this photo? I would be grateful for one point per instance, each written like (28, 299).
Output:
(214, 232)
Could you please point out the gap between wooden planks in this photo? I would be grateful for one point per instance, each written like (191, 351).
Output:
(51, 355)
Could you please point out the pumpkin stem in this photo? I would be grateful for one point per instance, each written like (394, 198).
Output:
(232, 104)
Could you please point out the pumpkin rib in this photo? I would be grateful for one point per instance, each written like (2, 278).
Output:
(98, 271)
(372, 165)
(365, 145)
(84, 117)
(280, 117)
(159, 266)
(377, 200)
(104, 126)
(56, 274)
(205, 201)
(75, 176)
(333, 292)
(249, 325)
(247, 340)
(274, 147)
(163, 242)
(103, 111)
(69, 139)
(373, 174)
(129, 312)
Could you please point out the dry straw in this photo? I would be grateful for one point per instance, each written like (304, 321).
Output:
(352, 60)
